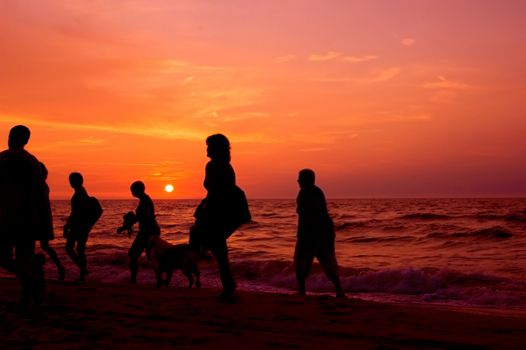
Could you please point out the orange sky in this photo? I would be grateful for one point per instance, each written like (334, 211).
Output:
(380, 98)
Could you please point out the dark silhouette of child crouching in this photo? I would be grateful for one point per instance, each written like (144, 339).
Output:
(315, 234)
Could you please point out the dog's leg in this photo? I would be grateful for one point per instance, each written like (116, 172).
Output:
(195, 270)
(168, 278)
(197, 281)
(158, 276)
(188, 275)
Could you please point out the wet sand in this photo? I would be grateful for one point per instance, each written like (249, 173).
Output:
(97, 316)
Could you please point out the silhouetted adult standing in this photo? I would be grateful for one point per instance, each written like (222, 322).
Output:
(315, 234)
(47, 234)
(220, 183)
(78, 226)
(148, 227)
(24, 209)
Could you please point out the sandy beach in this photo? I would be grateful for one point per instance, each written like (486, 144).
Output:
(100, 316)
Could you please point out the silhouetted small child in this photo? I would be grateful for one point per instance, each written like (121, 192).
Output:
(128, 220)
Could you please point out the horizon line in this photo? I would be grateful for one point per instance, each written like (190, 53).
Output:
(328, 198)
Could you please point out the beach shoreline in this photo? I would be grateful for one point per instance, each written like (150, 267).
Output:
(94, 315)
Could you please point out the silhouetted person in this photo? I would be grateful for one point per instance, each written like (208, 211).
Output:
(148, 226)
(315, 234)
(220, 181)
(24, 209)
(47, 233)
(78, 226)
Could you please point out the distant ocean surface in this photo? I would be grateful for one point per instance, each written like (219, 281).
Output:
(463, 252)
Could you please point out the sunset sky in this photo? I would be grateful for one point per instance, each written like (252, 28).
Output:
(381, 98)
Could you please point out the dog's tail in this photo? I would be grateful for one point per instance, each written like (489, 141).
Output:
(201, 256)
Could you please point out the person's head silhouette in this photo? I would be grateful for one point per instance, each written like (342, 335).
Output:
(18, 137)
(137, 189)
(76, 180)
(218, 147)
(306, 178)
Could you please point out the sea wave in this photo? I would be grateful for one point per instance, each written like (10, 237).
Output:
(425, 216)
(431, 284)
(519, 217)
(424, 284)
(387, 239)
(491, 233)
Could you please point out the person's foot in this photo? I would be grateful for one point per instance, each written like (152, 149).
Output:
(61, 273)
(227, 292)
(23, 305)
(83, 274)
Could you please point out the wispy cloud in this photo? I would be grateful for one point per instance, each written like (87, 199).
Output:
(187, 80)
(284, 59)
(144, 79)
(329, 56)
(445, 84)
(376, 77)
(246, 116)
(359, 59)
(405, 118)
(164, 130)
(91, 141)
(383, 75)
(408, 42)
(314, 149)
(334, 80)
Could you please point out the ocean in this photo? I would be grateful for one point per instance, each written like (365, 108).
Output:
(460, 252)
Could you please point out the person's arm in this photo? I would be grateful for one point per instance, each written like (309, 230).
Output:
(323, 204)
(210, 182)
(67, 226)
(300, 210)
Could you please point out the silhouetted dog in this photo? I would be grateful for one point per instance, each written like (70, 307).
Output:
(166, 258)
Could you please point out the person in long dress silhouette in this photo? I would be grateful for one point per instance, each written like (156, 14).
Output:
(212, 214)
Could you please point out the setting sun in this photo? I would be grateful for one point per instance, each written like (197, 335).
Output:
(169, 188)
